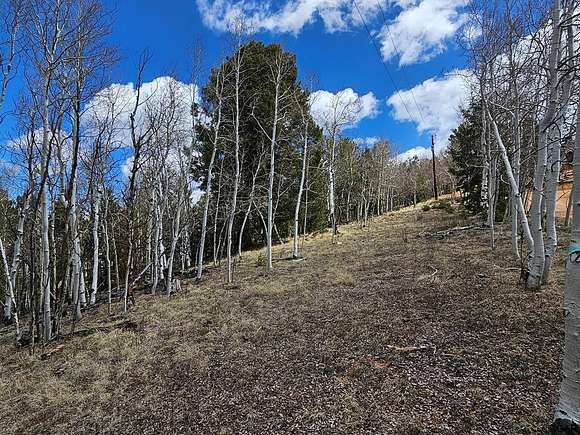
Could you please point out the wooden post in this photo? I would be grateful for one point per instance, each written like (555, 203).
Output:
(434, 172)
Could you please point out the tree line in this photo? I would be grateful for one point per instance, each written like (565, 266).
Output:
(107, 188)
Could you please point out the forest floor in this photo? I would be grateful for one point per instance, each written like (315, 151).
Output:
(390, 331)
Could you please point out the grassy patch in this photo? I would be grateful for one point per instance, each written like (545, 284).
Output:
(386, 331)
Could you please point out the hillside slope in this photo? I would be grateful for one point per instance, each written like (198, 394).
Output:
(392, 331)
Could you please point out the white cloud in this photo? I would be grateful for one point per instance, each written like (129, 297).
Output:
(422, 29)
(127, 165)
(291, 17)
(419, 152)
(8, 169)
(117, 101)
(368, 141)
(345, 108)
(439, 100)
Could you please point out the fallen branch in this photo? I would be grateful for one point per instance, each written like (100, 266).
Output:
(408, 349)
(140, 275)
(435, 271)
(444, 233)
(128, 325)
(48, 354)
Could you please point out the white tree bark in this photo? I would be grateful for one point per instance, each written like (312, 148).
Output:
(96, 224)
(538, 260)
(13, 23)
(234, 200)
(201, 251)
(250, 204)
(45, 243)
(76, 250)
(216, 215)
(516, 159)
(331, 189)
(273, 138)
(158, 241)
(175, 238)
(554, 162)
(567, 415)
(10, 299)
(16, 257)
(176, 231)
(514, 186)
(105, 232)
(296, 248)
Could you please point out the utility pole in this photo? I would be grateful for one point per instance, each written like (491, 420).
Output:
(434, 172)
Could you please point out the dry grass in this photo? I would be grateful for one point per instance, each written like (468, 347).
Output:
(386, 331)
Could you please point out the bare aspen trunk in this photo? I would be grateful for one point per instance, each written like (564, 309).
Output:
(515, 212)
(367, 204)
(54, 276)
(105, 231)
(305, 224)
(156, 268)
(269, 266)
(234, 203)
(552, 178)
(13, 20)
(175, 237)
(244, 221)
(16, 257)
(201, 250)
(331, 188)
(490, 166)
(567, 415)
(492, 194)
(76, 252)
(116, 257)
(295, 250)
(150, 232)
(554, 164)
(250, 204)
(514, 186)
(82, 286)
(46, 285)
(45, 263)
(128, 270)
(483, 140)
(348, 196)
(538, 260)
(10, 296)
(95, 274)
(516, 160)
(216, 215)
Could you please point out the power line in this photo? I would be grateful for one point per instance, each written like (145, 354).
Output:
(399, 56)
(382, 60)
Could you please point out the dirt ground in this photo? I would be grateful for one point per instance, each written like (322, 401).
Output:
(390, 331)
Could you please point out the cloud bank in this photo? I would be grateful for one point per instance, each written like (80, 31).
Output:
(419, 31)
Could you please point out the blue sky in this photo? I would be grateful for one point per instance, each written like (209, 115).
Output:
(329, 41)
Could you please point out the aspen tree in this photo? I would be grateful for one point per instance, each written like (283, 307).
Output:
(567, 415)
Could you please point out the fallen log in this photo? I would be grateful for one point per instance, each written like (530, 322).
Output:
(444, 233)
(48, 354)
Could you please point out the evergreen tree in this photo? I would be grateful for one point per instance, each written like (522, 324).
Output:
(467, 157)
